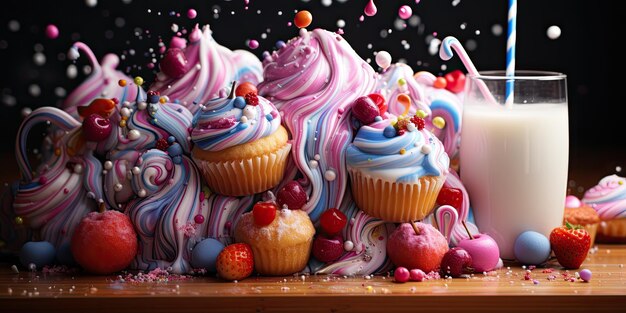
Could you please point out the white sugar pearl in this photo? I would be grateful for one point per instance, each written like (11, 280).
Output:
(249, 111)
(136, 170)
(426, 149)
(78, 168)
(142, 105)
(133, 134)
(330, 175)
(383, 59)
(125, 112)
(108, 165)
(348, 245)
(142, 193)
(117, 187)
(554, 32)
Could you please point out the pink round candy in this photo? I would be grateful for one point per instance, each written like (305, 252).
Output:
(52, 31)
(401, 274)
(572, 202)
(417, 275)
(405, 12)
(191, 14)
(253, 44)
(585, 275)
(199, 219)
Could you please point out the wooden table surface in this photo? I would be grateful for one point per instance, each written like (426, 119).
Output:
(506, 288)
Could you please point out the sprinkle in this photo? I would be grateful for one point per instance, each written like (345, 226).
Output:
(421, 113)
(402, 151)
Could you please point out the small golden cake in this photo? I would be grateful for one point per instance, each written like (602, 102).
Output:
(584, 216)
(283, 246)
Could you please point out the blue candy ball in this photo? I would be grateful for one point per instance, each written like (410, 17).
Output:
(64, 254)
(239, 102)
(204, 254)
(40, 253)
(532, 248)
(389, 132)
(153, 98)
(175, 149)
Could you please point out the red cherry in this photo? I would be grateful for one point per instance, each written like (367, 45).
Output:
(365, 110)
(264, 213)
(450, 196)
(456, 81)
(96, 128)
(380, 102)
(292, 195)
(333, 221)
(327, 249)
(174, 63)
(245, 88)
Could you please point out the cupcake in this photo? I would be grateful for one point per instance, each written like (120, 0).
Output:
(396, 171)
(579, 213)
(608, 198)
(280, 239)
(240, 146)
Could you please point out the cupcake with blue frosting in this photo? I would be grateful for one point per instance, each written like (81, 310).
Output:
(397, 168)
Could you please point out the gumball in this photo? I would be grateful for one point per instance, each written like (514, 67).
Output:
(245, 88)
(204, 254)
(303, 19)
(532, 248)
(40, 253)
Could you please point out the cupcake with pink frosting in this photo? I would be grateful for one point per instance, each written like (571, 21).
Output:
(608, 198)
(194, 73)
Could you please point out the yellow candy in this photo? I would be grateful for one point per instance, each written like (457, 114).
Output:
(123, 123)
(420, 113)
(57, 151)
(122, 83)
(138, 81)
(369, 288)
(19, 220)
(402, 151)
(162, 100)
(439, 122)
(401, 82)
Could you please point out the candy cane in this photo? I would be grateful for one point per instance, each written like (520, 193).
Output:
(446, 217)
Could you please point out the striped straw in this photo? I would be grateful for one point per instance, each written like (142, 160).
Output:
(510, 51)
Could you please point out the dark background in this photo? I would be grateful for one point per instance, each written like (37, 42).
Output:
(583, 51)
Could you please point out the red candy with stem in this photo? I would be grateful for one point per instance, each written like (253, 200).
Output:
(264, 213)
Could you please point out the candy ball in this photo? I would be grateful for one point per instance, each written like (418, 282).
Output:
(40, 253)
(405, 12)
(532, 248)
(401, 274)
(389, 132)
(585, 275)
(383, 59)
(52, 31)
(191, 14)
(303, 19)
(204, 254)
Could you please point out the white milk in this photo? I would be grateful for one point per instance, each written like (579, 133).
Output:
(514, 165)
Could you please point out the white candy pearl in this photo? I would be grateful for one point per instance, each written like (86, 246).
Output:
(426, 149)
(330, 175)
(142, 193)
(136, 170)
(125, 112)
(348, 245)
(108, 165)
(249, 111)
(78, 168)
(142, 105)
(117, 187)
(133, 134)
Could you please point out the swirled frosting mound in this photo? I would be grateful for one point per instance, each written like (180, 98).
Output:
(608, 197)
(313, 80)
(206, 69)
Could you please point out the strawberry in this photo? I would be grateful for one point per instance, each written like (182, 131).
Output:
(235, 262)
(450, 196)
(264, 213)
(570, 245)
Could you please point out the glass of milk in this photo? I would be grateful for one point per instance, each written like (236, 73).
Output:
(514, 157)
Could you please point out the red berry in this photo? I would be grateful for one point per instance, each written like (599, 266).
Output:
(104, 243)
(174, 63)
(365, 110)
(419, 122)
(252, 98)
(450, 196)
(96, 128)
(455, 81)
(235, 262)
(400, 132)
(264, 213)
(162, 144)
(327, 249)
(380, 102)
(245, 88)
(333, 221)
(292, 195)
(570, 245)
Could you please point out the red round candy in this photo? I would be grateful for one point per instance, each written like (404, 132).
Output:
(96, 128)
(450, 196)
(264, 213)
(327, 249)
(401, 274)
(174, 63)
(104, 243)
(245, 88)
(365, 110)
(380, 102)
(455, 81)
(303, 19)
(292, 195)
(333, 221)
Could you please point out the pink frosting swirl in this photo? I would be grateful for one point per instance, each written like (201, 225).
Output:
(211, 68)
(313, 80)
(608, 197)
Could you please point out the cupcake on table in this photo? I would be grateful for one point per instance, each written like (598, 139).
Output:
(608, 198)
(580, 213)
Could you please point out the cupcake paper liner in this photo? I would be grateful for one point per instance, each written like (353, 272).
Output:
(280, 261)
(613, 231)
(245, 177)
(393, 201)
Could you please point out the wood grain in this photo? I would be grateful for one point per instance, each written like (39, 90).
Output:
(505, 289)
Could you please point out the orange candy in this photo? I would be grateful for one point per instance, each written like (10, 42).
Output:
(440, 83)
(303, 19)
(245, 88)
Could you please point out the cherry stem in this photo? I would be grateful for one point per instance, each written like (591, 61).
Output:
(467, 230)
(417, 231)
(232, 91)
(101, 207)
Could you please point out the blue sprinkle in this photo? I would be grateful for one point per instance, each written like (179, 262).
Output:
(269, 117)
(280, 44)
(389, 132)
(171, 139)
(378, 118)
(179, 110)
(177, 101)
(175, 150)
(242, 126)
(265, 55)
(239, 103)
